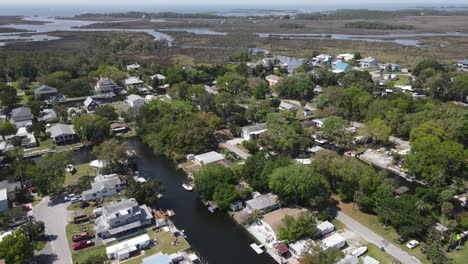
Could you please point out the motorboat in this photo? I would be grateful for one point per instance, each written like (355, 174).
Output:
(187, 187)
(70, 168)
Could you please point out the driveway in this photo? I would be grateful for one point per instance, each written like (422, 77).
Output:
(231, 145)
(379, 241)
(54, 215)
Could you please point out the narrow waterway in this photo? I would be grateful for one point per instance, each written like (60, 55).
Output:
(216, 236)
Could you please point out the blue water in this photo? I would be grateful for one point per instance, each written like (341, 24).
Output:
(237, 10)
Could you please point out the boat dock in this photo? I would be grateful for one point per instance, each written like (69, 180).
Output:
(257, 248)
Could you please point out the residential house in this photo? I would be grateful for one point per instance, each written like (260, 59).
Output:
(45, 92)
(122, 219)
(106, 85)
(300, 247)
(334, 241)
(324, 228)
(463, 64)
(345, 57)
(134, 66)
(161, 78)
(264, 203)
(287, 106)
(209, 157)
(124, 249)
(48, 116)
(90, 104)
(341, 67)
(3, 200)
(253, 131)
(390, 67)
(21, 116)
(62, 134)
(103, 186)
(117, 128)
(323, 58)
(134, 83)
(27, 139)
(135, 101)
(273, 220)
(270, 61)
(369, 62)
(272, 79)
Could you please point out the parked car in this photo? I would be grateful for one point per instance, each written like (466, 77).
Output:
(83, 236)
(82, 244)
(423, 249)
(412, 244)
(401, 240)
(74, 198)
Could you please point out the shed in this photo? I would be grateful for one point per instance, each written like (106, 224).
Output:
(281, 249)
(334, 241)
(401, 190)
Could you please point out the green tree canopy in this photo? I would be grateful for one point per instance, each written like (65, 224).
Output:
(293, 229)
(92, 128)
(15, 248)
(232, 82)
(6, 129)
(299, 87)
(107, 111)
(376, 130)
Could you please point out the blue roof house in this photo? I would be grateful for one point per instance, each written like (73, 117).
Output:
(341, 67)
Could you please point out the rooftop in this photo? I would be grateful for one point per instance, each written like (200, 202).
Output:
(44, 89)
(61, 129)
(262, 202)
(133, 80)
(209, 157)
(275, 218)
(255, 127)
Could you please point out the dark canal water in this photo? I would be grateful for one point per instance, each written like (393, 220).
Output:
(217, 238)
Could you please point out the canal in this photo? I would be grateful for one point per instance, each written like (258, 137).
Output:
(216, 237)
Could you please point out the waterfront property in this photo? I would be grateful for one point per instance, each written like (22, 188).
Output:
(209, 157)
(263, 203)
(90, 105)
(28, 140)
(299, 247)
(133, 83)
(62, 134)
(273, 220)
(123, 250)
(105, 86)
(253, 131)
(103, 185)
(341, 67)
(123, 219)
(135, 101)
(369, 62)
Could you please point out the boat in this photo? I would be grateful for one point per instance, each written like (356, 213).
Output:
(187, 187)
(70, 168)
(159, 195)
(358, 252)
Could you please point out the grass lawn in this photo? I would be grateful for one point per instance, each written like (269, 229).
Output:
(459, 257)
(80, 171)
(43, 145)
(403, 80)
(389, 233)
(163, 244)
(382, 256)
(190, 166)
(81, 255)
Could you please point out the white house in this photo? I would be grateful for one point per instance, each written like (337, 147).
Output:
(103, 185)
(299, 247)
(209, 157)
(334, 241)
(61, 134)
(135, 101)
(134, 66)
(463, 64)
(369, 62)
(253, 131)
(263, 203)
(27, 139)
(324, 58)
(160, 77)
(272, 79)
(122, 250)
(134, 83)
(324, 228)
(345, 57)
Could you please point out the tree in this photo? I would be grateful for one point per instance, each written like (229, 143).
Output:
(232, 82)
(36, 107)
(107, 111)
(15, 248)
(57, 79)
(77, 88)
(7, 128)
(377, 130)
(316, 255)
(33, 229)
(8, 96)
(115, 154)
(48, 174)
(334, 129)
(459, 87)
(293, 229)
(92, 128)
(179, 91)
(426, 64)
(224, 195)
(146, 192)
(214, 178)
(299, 184)
(298, 87)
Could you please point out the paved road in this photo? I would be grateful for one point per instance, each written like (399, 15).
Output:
(231, 145)
(54, 216)
(379, 241)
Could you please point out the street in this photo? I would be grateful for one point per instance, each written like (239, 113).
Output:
(379, 241)
(54, 215)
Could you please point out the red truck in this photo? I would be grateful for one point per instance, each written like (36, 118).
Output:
(82, 244)
(82, 236)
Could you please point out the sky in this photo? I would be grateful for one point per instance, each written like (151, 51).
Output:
(219, 2)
